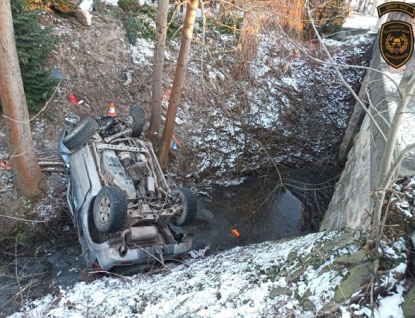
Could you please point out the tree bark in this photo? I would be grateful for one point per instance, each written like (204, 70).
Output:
(28, 176)
(158, 64)
(247, 47)
(178, 81)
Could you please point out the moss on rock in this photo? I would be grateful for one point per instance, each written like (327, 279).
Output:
(358, 276)
(408, 307)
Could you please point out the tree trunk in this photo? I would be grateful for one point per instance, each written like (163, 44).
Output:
(28, 176)
(158, 64)
(247, 47)
(360, 5)
(178, 81)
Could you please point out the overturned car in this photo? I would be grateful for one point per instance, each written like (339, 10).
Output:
(120, 201)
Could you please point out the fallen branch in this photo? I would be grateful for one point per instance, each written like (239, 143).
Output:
(52, 169)
(20, 219)
(50, 163)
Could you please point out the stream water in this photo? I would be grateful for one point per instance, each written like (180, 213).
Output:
(257, 209)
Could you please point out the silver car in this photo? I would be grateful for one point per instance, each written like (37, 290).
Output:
(120, 201)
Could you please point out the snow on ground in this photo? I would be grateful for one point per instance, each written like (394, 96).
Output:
(86, 5)
(359, 21)
(252, 281)
(142, 52)
(291, 96)
(282, 104)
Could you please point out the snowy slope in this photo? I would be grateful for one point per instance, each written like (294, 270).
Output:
(297, 277)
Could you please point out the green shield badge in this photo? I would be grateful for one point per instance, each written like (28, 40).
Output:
(396, 42)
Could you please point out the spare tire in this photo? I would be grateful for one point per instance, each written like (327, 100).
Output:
(139, 118)
(81, 133)
(189, 209)
(110, 209)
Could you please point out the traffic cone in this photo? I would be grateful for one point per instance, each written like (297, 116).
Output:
(112, 112)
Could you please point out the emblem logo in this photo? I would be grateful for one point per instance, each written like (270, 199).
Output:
(396, 42)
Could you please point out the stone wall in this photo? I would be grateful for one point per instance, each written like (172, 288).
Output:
(351, 204)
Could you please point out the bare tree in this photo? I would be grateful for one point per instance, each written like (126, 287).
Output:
(158, 64)
(28, 176)
(178, 81)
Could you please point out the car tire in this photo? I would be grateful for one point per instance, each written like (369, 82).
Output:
(81, 133)
(189, 202)
(110, 209)
(139, 118)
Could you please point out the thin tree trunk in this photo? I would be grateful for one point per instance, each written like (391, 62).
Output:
(387, 158)
(361, 5)
(28, 176)
(178, 81)
(158, 64)
(247, 47)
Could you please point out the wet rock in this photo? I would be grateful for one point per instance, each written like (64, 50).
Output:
(279, 291)
(408, 307)
(84, 17)
(355, 258)
(358, 276)
(294, 275)
(308, 305)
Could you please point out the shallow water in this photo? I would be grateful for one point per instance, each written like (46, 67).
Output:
(257, 209)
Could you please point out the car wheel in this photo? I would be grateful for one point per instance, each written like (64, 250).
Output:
(110, 209)
(139, 118)
(189, 202)
(81, 133)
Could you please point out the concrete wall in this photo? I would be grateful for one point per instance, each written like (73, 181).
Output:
(351, 204)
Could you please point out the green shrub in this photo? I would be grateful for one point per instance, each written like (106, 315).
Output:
(230, 24)
(139, 21)
(33, 43)
(129, 5)
(138, 26)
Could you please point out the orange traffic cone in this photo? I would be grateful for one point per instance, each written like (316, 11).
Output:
(112, 112)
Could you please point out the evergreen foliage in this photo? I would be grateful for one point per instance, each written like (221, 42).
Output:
(138, 20)
(33, 43)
